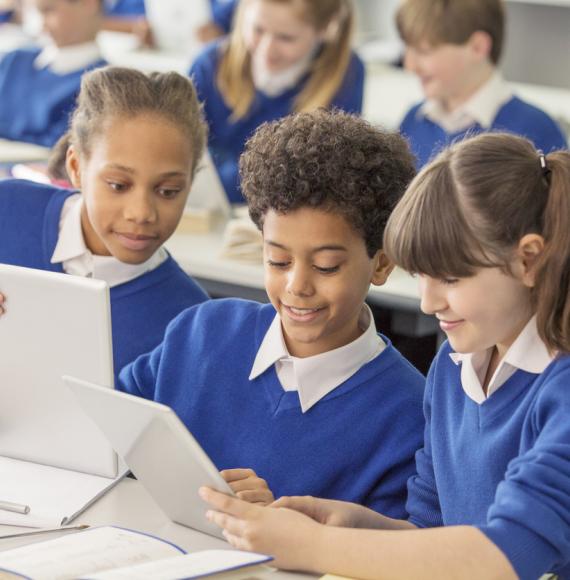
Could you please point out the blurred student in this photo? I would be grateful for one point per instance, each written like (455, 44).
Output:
(487, 227)
(454, 48)
(39, 86)
(282, 56)
(283, 391)
(134, 145)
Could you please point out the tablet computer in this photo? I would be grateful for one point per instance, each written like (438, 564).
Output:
(158, 449)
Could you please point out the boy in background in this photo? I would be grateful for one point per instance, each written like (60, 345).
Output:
(39, 86)
(454, 48)
(303, 392)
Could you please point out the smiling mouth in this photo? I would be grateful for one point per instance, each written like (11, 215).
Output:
(136, 242)
(302, 314)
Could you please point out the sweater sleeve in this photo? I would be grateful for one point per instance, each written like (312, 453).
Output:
(529, 519)
(423, 499)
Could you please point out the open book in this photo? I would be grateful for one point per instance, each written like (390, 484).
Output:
(111, 553)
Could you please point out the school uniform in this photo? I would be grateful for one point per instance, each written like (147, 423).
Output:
(343, 425)
(40, 228)
(227, 137)
(500, 462)
(39, 88)
(124, 8)
(429, 127)
(223, 13)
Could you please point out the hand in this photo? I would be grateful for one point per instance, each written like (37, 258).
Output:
(286, 535)
(209, 32)
(143, 31)
(2, 304)
(325, 511)
(248, 486)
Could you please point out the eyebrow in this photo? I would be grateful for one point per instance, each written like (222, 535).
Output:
(327, 247)
(132, 171)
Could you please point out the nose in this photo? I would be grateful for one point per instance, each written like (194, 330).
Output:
(432, 298)
(410, 60)
(267, 48)
(140, 207)
(299, 281)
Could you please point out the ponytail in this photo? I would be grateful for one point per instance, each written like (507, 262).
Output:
(551, 293)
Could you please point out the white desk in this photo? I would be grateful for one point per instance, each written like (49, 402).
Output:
(130, 506)
(199, 255)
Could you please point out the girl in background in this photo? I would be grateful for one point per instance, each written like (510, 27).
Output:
(487, 227)
(282, 56)
(134, 145)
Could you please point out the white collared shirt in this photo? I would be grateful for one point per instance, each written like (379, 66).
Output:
(482, 107)
(527, 353)
(67, 59)
(315, 376)
(76, 258)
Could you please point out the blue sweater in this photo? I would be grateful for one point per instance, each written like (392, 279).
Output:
(124, 8)
(223, 13)
(140, 309)
(227, 138)
(503, 466)
(516, 116)
(356, 444)
(36, 103)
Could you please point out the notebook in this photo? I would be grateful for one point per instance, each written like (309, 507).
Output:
(54, 324)
(158, 449)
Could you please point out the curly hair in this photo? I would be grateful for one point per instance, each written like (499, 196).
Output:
(328, 160)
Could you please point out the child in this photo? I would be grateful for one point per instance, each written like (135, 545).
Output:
(487, 227)
(454, 49)
(38, 87)
(282, 56)
(285, 388)
(135, 144)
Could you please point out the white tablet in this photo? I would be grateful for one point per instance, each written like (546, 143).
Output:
(158, 449)
(54, 324)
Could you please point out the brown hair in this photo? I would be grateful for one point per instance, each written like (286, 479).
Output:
(234, 79)
(328, 160)
(121, 92)
(451, 21)
(470, 207)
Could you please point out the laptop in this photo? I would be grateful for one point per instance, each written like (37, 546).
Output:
(157, 448)
(54, 324)
(174, 23)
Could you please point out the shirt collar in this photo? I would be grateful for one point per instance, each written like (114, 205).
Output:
(527, 353)
(77, 259)
(67, 59)
(482, 107)
(320, 374)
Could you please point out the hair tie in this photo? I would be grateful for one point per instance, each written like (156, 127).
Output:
(543, 165)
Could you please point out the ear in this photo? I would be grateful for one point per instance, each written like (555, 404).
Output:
(382, 268)
(481, 44)
(528, 252)
(73, 166)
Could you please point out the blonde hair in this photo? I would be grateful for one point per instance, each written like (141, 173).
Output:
(234, 79)
(451, 21)
(121, 92)
(471, 206)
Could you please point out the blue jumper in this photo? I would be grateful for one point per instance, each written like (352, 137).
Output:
(502, 466)
(355, 444)
(36, 103)
(124, 8)
(223, 13)
(140, 309)
(516, 116)
(227, 137)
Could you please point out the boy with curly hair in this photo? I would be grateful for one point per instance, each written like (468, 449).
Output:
(285, 389)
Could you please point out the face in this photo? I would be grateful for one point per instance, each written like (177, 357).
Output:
(488, 309)
(134, 186)
(69, 22)
(275, 33)
(447, 72)
(317, 274)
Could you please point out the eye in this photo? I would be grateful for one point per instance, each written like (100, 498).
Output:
(330, 270)
(274, 264)
(449, 281)
(168, 193)
(116, 186)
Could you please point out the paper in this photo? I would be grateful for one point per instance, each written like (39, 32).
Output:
(55, 496)
(15, 151)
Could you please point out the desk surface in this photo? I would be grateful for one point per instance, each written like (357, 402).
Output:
(129, 505)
